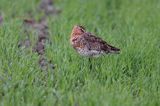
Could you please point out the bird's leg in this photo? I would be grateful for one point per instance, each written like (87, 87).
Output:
(90, 64)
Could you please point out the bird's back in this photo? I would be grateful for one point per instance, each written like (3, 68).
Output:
(96, 43)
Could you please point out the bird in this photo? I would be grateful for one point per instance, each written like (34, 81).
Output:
(88, 44)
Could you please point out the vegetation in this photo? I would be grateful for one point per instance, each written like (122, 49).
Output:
(131, 78)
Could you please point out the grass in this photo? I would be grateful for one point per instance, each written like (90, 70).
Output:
(131, 78)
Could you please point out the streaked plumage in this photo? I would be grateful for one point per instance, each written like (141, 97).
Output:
(87, 44)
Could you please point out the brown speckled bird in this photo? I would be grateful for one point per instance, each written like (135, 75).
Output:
(87, 44)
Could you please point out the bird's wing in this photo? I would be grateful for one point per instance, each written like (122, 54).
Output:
(96, 43)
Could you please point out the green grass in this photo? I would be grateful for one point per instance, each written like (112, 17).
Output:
(131, 78)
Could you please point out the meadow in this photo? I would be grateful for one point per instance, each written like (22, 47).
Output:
(131, 78)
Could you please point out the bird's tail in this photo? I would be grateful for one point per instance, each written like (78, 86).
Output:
(114, 49)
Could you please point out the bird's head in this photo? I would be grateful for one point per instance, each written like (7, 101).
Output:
(77, 30)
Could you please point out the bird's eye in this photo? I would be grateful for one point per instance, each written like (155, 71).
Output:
(82, 27)
(82, 30)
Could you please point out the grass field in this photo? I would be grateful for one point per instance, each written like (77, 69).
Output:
(131, 78)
